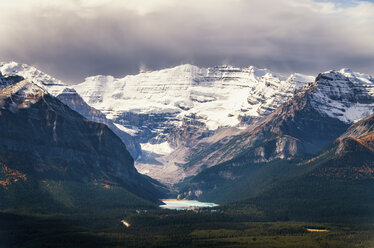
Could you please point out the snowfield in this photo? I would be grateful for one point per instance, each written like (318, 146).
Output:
(219, 96)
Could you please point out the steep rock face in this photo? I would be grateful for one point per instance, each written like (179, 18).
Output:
(72, 99)
(42, 138)
(68, 96)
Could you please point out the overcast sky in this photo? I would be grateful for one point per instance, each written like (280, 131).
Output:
(73, 39)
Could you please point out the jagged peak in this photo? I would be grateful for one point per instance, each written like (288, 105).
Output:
(343, 94)
(15, 68)
(299, 77)
(345, 74)
(47, 82)
(29, 72)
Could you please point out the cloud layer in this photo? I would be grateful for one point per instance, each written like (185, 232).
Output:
(73, 39)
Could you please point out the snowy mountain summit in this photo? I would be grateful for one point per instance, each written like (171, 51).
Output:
(45, 81)
(217, 97)
(345, 95)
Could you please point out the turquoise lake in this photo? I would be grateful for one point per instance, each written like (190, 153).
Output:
(185, 204)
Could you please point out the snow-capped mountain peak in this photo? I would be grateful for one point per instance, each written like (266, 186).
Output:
(218, 96)
(45, 81)
(22, 95)
(343, 94)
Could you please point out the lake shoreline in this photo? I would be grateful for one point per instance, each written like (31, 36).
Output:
(185, 204)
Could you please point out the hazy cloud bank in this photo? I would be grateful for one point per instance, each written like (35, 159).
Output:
(73, 39)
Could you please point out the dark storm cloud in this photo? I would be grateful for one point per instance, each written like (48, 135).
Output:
(74, 39)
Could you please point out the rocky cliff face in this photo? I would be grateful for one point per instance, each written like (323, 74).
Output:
(72, 99)
(42, 138)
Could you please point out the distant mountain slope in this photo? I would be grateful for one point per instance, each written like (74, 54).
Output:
(50, 154)
(335, 184)
(68, 96)
(298, 129)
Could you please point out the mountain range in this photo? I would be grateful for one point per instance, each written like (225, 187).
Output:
(221, 134)
(299, 129)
